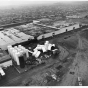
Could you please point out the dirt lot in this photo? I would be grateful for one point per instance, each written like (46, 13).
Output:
(79, 65)
(76, 62)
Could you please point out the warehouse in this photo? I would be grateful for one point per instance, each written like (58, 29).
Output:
(59, 31)
(12, 36)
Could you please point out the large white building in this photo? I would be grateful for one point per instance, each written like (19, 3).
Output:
(12, 36)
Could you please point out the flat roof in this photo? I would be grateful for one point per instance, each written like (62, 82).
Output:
(12, 36)
(6, 38)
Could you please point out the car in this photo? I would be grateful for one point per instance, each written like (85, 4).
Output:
(72, 73)
(80, 81)
(59, 67)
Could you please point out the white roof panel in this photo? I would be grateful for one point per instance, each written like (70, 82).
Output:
(6, 38)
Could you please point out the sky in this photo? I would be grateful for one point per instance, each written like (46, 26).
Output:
(5, 3)
(8, 3)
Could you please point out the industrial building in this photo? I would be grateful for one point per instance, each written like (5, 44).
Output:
(12, 36)
(21, 57)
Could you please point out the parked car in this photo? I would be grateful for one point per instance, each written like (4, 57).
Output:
(80, 81)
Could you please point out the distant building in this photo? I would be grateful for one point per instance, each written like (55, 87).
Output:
(73, 16)
(35, 21)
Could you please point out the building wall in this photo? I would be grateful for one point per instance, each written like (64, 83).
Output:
(62, 30)
(48, 35)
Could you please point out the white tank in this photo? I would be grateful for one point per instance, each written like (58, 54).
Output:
(2, 72)
(44, 49)
(24, 50)
(36, 53)
(49, 47)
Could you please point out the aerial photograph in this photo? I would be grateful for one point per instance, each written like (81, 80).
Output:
(43, 43)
